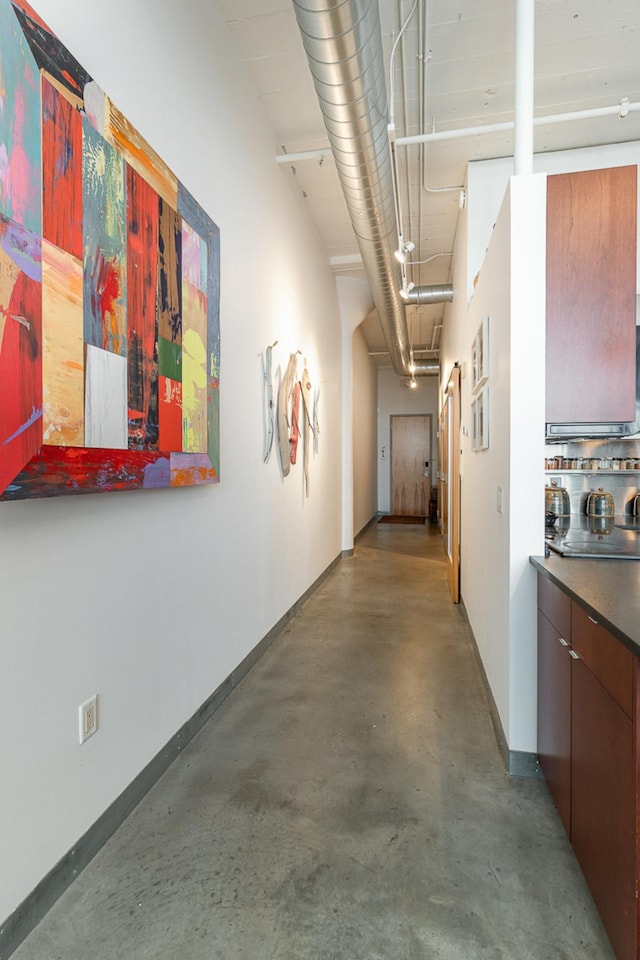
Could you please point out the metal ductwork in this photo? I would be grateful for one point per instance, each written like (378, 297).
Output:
(436, 293)
(343, 43)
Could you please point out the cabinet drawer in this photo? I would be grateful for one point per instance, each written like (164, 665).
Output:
(555, 605)
(610, 661)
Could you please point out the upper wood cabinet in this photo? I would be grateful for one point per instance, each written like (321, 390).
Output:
(591, 296)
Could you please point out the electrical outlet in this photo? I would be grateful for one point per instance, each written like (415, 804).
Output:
(88, 717)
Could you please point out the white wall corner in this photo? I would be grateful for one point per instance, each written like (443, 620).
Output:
(526, 463)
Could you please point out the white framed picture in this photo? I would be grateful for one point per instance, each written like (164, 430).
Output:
(480, 357)
(480, 421)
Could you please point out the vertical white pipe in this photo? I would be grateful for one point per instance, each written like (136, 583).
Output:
(524, 68)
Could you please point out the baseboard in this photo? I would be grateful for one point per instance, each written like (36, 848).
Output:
(363, 530)
(23, 920)
(517, 763)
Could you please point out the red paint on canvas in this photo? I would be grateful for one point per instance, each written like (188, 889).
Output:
(56, 471)
(61, 172)
(21, 379)
(170, 414)
(109, 291)
(142, 279)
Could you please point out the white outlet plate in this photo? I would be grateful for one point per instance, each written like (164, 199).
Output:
(88, 718)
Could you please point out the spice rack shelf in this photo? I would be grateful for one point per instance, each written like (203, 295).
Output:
(593, 473)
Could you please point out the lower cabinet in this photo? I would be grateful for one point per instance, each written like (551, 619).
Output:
(587, 745)
(554, 715)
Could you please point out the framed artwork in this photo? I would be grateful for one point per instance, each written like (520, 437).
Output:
(480, 421)
(109, 289)
(480, 357)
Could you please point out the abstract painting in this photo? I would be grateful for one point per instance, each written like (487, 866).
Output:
(109, 289)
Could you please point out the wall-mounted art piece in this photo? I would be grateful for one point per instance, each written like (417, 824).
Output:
(480, 421)
(109, 289)
(480, 357)
(269, 404)
(293, 416)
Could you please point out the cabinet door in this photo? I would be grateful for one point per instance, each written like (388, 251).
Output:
(591, 286)
(603, 805)
(554, 716)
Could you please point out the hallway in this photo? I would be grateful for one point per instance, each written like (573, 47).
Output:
(346, 802)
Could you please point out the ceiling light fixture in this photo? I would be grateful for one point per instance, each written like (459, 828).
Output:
(404, 249)
(406, 289)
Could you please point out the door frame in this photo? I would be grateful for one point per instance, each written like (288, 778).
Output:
(449, 479)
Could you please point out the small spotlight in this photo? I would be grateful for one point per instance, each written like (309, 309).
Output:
(404, 250)
(406, 290)
(413, 383)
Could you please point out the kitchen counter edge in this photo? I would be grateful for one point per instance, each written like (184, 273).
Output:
(609, 590)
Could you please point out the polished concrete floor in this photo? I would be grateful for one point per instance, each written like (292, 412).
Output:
(347, 802)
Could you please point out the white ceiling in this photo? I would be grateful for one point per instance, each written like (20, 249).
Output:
(454, 69)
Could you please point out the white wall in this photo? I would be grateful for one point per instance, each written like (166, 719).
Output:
(394, 398)
(497, 581)
(142, 596)
(528, 200)
(355, 300)
(365, 404)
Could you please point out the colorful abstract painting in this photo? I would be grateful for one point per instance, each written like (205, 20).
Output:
(109, 289)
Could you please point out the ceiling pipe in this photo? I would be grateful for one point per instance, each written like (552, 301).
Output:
(343, 42)
(524, 87)
(434, 293)
(620, 110)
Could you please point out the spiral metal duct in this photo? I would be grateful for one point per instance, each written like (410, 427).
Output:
(435, 293)
(343, 42)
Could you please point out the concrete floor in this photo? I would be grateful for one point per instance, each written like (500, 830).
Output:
(347, 802)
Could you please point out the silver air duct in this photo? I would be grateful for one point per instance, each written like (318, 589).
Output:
(343, 43)
(436, 293)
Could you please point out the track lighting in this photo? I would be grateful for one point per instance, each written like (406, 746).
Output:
(406, 289)
(403, 251)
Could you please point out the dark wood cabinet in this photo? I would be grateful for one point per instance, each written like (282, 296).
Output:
(588, 750)
(591, 296)
(554, 695)
(603, 805)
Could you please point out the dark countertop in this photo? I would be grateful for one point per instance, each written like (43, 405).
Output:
(608, 589)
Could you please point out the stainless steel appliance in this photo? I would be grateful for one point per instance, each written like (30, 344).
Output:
(556, 500)
(600, 504)
(605, 538)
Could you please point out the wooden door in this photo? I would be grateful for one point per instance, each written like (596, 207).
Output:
(450, 480)
(410, 451)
